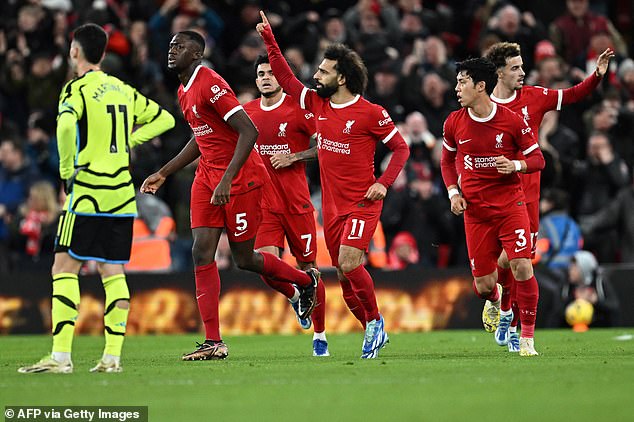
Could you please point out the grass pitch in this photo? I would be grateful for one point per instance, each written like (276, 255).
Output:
(437, 376)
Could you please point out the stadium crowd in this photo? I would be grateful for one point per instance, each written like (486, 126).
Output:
(410, 48)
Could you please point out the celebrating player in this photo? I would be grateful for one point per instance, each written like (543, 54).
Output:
(286, 129)
(481, 143)
(348, 127)
(226, 192)
(95, 122)
(531, 102)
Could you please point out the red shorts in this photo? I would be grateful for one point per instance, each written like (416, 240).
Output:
(355, 230)
(240, 217)
(533, 217)
(487, 238)
(299, 230)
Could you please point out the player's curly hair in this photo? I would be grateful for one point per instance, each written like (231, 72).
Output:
(480, 69)
(500, 52)
(350, 65)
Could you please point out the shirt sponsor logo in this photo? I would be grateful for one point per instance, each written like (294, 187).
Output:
(309, 116)
(215, 89)
(348, 127)
(282, 129)
(468, 162)
(526, 130)
(385, 121)
(471, 163)
(498, 140)
(464, 141)
(218, 93)
(201, 130)
(332, 146)
(272, 149)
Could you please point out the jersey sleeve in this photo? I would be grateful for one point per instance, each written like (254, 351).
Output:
(547, 99)
(221, 97)
(307, 120)
(448, 157)
(527, 144)
(69, 111)
(153, 118)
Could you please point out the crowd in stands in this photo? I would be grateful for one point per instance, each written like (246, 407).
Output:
(410, 48)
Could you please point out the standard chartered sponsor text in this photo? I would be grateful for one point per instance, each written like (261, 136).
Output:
(484, 162)
(274, 149)
(202, 130)
(334, 146)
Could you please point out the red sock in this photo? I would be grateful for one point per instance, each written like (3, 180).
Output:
(505, 278)
(208, 296)
(363, 288)
(275, 268)
(527, 296)
(514, 307)
(494, 296)
(319, 314)
(286, 289)
(352, 301)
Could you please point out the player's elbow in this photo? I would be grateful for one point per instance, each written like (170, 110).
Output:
(169, 120)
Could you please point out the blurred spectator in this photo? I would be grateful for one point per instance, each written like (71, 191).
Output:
(598, 179)
(240, 64)
(41, 145)
(561, 149)
(559, 235)
(626, 78)
(434, 99)
(403, 252)
(586, 280)
(571, 32)
(385, 89)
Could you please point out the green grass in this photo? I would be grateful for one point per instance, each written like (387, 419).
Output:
(445, 375)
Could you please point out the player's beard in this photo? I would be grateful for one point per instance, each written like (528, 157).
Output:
(271, 93)
(326, 91)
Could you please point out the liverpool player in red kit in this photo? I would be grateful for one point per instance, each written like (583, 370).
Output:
(480, 168)
(531, 102)
(284, 128)
(226, 191)
(348, 128)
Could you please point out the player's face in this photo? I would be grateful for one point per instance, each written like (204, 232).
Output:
(465, 89)
(326, 78)
(266, 82)
(182, 53)
(73, 54)
(512, 75)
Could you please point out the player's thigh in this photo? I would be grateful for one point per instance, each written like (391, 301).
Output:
(302, 236)
(270, 231)
(243, 216)
(359, 228)
(103, 239)
(514, 232)
(533, 216)
(333, 231)
(483, 246)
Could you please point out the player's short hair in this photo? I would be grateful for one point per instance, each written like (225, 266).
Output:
(93, 40)
(480, 69)
(196, 38)
(262, 58)
(350, 65)
(500, 52)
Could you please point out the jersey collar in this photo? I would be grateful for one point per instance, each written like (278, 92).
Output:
(504, 100)
(274, 106)
(354, 100)
(191, 80)
(483, 119)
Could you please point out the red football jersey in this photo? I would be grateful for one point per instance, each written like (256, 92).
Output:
(532, 102)
(346, 142)
(207, 103)
(474, 143)
(284, 128)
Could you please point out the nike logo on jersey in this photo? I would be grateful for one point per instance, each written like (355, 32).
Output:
(239, 234)
(464, 141)
(322, 118)
(307, 253)
(520, 249)
(200, 295)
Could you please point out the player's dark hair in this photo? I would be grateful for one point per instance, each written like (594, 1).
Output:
(350, 65)
(500, 52)
(480, 69)
(262, 58)
(92, 39)
(196, 38)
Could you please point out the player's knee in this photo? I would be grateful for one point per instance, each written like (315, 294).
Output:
(244, 262)
(200, 255)
(522, 269)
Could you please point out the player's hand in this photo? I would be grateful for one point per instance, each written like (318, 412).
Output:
(603, 61)
(376, 192)
(152, 183)
(221, 193)
(458, 204)
(260, 27)
(279, 161)
(504, 165)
